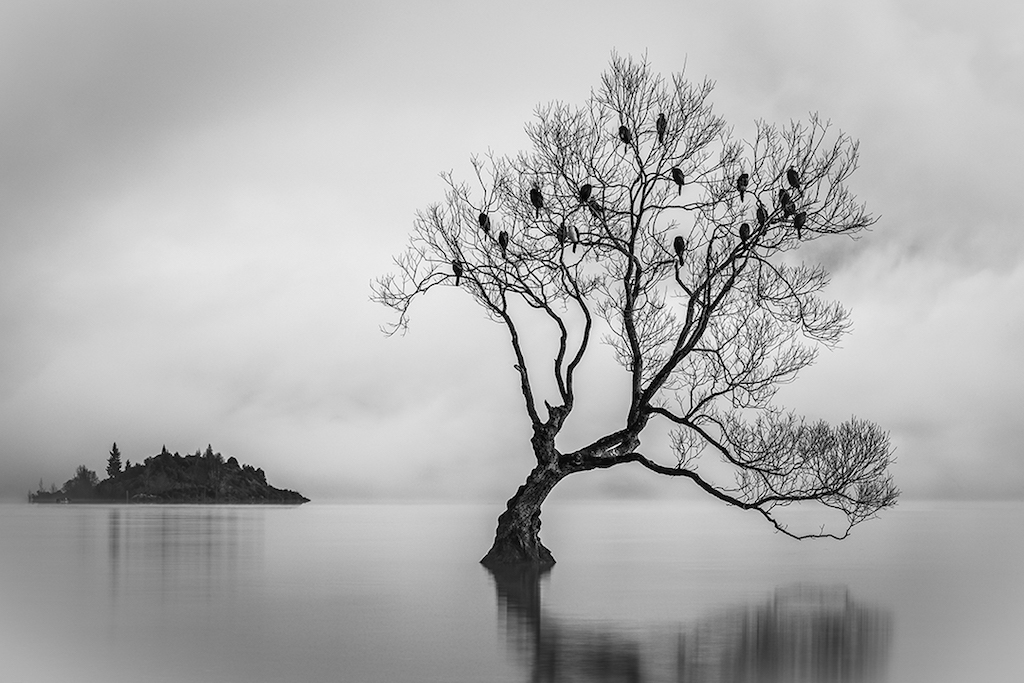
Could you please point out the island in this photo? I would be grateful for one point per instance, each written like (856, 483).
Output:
(205, 478)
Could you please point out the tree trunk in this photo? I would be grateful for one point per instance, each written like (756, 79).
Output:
(517, 538)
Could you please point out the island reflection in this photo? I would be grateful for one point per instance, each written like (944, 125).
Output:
(181, 551)
(801, 633)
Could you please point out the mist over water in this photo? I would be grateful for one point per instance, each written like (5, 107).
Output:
(641, 592)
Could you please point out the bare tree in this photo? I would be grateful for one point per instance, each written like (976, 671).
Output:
(675, 243)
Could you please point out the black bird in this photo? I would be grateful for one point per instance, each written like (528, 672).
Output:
(457, 269)
(793, 177)
(625, 135)
(536, 198)
(677, 178)
(762, 215)
(798, 222)
(561, 233)
(786, 202)
(503, 242)
(741, 184)
(485, 223)
(744, 232)
(661, 124)
(679, 244)
(585, 190)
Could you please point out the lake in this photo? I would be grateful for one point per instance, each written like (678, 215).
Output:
(643, 591)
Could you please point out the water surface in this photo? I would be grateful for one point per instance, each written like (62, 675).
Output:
(641, 592)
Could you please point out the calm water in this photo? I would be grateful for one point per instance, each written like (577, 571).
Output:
(641, 592)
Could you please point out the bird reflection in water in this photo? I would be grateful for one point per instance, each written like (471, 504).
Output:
(804, 633)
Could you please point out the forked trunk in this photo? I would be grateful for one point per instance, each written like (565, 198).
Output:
(517, 538)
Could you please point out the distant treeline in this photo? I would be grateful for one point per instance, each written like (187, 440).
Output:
(170, 478)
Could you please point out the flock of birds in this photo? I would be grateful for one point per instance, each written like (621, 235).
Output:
(569, 233)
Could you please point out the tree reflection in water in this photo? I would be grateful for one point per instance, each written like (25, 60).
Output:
(802, 633)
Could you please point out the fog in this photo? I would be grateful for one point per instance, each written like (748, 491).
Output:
(194, 198)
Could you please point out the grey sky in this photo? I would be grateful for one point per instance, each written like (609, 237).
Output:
(194, 197)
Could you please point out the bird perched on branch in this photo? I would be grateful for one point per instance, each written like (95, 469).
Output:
(741, 184)
(744, 232)
(661, 124)
(798, 222)
(679, 245)
(677, 178)
(537, 199)
(485, 222)
(762, 214)
(503, 242)
(625, 135)
(793, 177)
(457, 269)
(786, 202)
(585, 190)
(561, 233)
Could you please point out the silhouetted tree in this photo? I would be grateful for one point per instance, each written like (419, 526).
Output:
(216, 457)
(114, 462)
(82, 485)
(706, 337)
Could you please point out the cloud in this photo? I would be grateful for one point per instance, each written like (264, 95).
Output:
(195, 196)
(929, 359)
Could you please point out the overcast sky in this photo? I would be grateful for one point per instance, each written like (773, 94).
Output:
(195, 196)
